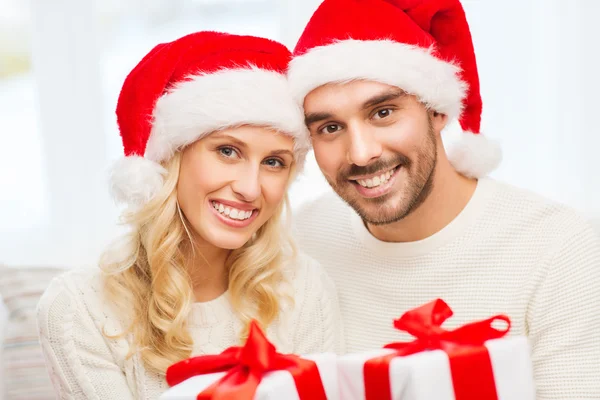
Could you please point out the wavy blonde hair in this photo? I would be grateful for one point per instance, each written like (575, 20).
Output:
(147, 275)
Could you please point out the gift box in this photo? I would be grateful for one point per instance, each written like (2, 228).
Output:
(254, 372)
(352, 380)
(472, 362)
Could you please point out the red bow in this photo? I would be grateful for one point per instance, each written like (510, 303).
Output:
(245, 368)
(470, 364)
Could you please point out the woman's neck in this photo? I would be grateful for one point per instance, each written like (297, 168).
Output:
(208, 270)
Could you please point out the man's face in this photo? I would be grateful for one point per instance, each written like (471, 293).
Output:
(376, 146)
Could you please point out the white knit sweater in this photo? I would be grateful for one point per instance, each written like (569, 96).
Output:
(509, 251)
(83, 364)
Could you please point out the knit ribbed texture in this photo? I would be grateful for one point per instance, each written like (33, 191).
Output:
(509, 251)
(83, 364)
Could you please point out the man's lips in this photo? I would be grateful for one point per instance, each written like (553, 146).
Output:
(373, 175)
(377, 186)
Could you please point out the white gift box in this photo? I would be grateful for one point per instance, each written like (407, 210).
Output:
(427, 375)
(352, 380)
(276, 385)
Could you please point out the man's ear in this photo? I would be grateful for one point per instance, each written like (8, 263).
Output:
(438, 121)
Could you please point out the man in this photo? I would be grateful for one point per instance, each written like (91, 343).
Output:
(415, 219)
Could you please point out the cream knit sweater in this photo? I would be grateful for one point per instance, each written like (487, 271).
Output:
(509, 251)
(83, 364)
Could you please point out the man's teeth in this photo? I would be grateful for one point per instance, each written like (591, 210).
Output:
(231, 212)
(376, 181)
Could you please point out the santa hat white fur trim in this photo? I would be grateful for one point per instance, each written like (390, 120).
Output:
(134, 180)
(207, 103)
(203, 104)
(414, 69)
(472, 155)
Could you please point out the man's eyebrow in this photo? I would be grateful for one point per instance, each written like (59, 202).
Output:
(311, 118)
(382, 98)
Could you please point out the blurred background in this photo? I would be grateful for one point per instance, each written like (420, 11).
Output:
(62, 63)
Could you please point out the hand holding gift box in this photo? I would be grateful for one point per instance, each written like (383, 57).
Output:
(255, 371)
(472, 362)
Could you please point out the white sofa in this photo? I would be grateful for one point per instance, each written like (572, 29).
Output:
(23, 373)
(24, 286)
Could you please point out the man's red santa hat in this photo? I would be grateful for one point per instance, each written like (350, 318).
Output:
(184, 90)
(421, 46)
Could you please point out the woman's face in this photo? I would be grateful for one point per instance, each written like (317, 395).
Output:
(232, 181)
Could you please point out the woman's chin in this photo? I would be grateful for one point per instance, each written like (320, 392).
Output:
(228, 240)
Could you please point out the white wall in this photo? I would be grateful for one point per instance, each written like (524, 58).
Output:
(539, 81)
(58, 133)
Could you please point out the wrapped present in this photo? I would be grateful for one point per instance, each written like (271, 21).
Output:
(255, 371)
(472, 362)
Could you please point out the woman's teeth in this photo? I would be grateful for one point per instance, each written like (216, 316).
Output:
(376, 181)
(231, 212)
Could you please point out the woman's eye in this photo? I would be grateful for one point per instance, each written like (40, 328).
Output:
(331, 128)
(384, 113)
(227, 151)
(274, 163)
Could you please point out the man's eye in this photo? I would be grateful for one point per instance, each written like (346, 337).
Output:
(329, 129)
(384, 113)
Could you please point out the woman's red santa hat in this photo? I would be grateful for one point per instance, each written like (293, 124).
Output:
(423, 47)
(186, 89)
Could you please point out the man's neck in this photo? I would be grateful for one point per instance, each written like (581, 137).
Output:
(449, 195)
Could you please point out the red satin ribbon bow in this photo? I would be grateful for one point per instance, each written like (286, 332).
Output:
(245, 368)
(470, 364)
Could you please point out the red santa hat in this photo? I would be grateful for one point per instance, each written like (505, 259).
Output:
(186, 89)
(421, 46)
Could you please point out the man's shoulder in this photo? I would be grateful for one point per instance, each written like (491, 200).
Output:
(526, 210)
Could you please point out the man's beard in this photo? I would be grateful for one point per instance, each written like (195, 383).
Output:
(388, 209)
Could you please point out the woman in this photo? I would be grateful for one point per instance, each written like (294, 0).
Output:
(212, 141)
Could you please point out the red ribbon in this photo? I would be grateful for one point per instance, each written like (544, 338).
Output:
(245, 368)
(470, 364)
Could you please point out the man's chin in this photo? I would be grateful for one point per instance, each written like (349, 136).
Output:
(377, 210)
(379, 216)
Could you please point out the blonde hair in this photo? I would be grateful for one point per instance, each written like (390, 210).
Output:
(146, 274)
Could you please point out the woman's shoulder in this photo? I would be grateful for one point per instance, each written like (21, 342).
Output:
(77, 294)
(308, 278)
(73, 320)
(303, 269)
(315, 319)
(77, 285)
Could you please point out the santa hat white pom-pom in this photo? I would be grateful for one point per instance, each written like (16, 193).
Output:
(134, 180)
(473, 155)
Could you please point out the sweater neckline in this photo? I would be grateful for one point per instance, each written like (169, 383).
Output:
(420, 247)
(208, 313)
